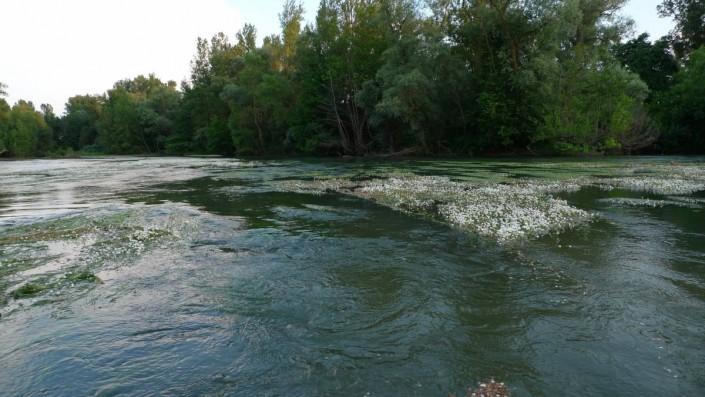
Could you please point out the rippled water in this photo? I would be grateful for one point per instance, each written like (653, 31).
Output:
(160, 276)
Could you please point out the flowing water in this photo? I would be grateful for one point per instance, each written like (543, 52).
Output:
(197, 276)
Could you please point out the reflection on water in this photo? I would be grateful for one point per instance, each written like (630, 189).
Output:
(208, 279)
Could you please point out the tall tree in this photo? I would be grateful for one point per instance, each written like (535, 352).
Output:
(4, 127)
(370, 76)
(290, 20)
(653, 62)
(689, 34)
(79, 125)
(683, 108)
(27, 131)
(590, 101)
(138, 115)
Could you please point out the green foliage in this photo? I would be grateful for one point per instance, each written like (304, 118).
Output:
(682, 110)
(387, 76)
(653, 62)
(137, 116)
(23, 130)
(689, 34)
(79, 126)
(4, 127)
(590, 108)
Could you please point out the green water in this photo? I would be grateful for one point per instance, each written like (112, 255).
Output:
(161, 276)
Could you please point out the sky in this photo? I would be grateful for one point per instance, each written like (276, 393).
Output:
(51, 50)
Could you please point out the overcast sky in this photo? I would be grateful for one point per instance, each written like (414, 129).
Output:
(51, 50)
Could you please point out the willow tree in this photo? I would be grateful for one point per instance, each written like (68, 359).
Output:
(590, 101)
(336, 57)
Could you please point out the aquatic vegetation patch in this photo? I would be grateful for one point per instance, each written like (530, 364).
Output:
(505, 212)
(654, 185)
(83, 277)
(51, 231)
(659, 178)
(46, 283)
(16, 260)
(689, 201)
(29, 290)
(651, 203)
(520, 202)
(64, 255)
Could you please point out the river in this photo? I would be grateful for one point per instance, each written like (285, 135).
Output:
(135, 276)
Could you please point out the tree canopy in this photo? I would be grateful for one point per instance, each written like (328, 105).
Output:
(458, 77)
(689, 34)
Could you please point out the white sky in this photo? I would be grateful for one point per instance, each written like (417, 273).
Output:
(646, 17)
(53, 49)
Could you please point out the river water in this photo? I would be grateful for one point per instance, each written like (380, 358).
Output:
(198, 276)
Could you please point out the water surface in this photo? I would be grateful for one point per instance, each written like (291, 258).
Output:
(186, 276)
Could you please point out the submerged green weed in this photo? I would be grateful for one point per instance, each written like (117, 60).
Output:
(83, 277)
(64, 254)
(29, 290)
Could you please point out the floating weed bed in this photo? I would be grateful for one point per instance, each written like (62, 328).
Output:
(505, 212)
(661, 179)
(654, 185)
(511, 209)
(651, 203)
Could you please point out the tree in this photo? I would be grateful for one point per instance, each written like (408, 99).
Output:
(46, 139)
(201, 123)
(137, 116)
(653, 62)
(689, 34)
(79, 127)
(260, 101)
(435, 76)
(682, 113)
(336, 57)
(590, 102)
(403, 99)
(496, 42)
(290, 21)
(26, 131)
(4, 127)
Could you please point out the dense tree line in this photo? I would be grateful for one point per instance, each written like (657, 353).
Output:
(400, 76)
